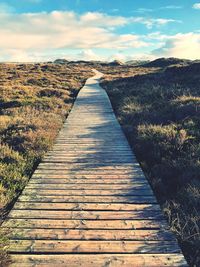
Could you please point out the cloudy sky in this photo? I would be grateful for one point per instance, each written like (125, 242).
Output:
(40, 30)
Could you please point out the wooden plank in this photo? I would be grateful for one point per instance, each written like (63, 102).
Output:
(96, 156)
(88, 186)
(84, 170)
(86, 160)
(88, 154)
(93, 192)
(96, 149)
(103, 166)
(87, 150)
(103, 176)
(88, 206)
(87, 215)
(85, 224)
(124, 167)
(136, 176)
(89, 199)
(116, 260)
(76, 247)
(84, 181)
(75, 158)
(85, 234)
(91, 168)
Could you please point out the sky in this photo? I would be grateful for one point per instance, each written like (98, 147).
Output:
(44, 30)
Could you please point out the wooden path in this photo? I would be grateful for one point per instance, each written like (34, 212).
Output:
(88, 203)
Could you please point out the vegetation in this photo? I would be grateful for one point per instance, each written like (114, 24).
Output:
(159, 110)
(34, 101)
(158, 107)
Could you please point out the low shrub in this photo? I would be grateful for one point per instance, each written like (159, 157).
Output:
(160, 114)
(33, 107)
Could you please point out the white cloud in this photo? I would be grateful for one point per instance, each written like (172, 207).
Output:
(87, 54)
(126, 57)
(100, 19)
(181, 45)
(171, 7)
(151, 22)
(144, 10)
(30, 35)
(196, 6)
(156, 36)
(64, 30)
(20, 55)
(114, 10)
(118, 56)
(147, 10)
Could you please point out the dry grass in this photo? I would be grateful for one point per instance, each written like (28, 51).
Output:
(160, 113)
(34, 101)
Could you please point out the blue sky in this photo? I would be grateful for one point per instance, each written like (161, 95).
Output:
(40, 30)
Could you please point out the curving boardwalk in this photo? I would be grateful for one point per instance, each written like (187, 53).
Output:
(88, 203)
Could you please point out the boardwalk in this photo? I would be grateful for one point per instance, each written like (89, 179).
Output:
(88, 203)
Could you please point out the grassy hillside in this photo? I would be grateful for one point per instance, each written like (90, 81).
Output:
(34, 101)
(159, 110)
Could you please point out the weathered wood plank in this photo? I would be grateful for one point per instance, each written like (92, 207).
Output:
(83, 181)
(85, 234)
(75, 156)
(89, 165)
(88, 206)
(89, 199)
(86, 160)
(93, 192)
(124, 167)
(73, 151)
(88, 186)
(94, 215)
(87, 150)
(117, 260)
(85, 170)
(76, 247)
(85, 224)
(103, 176)
(136, 175)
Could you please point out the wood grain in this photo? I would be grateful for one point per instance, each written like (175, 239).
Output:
(116, 260)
